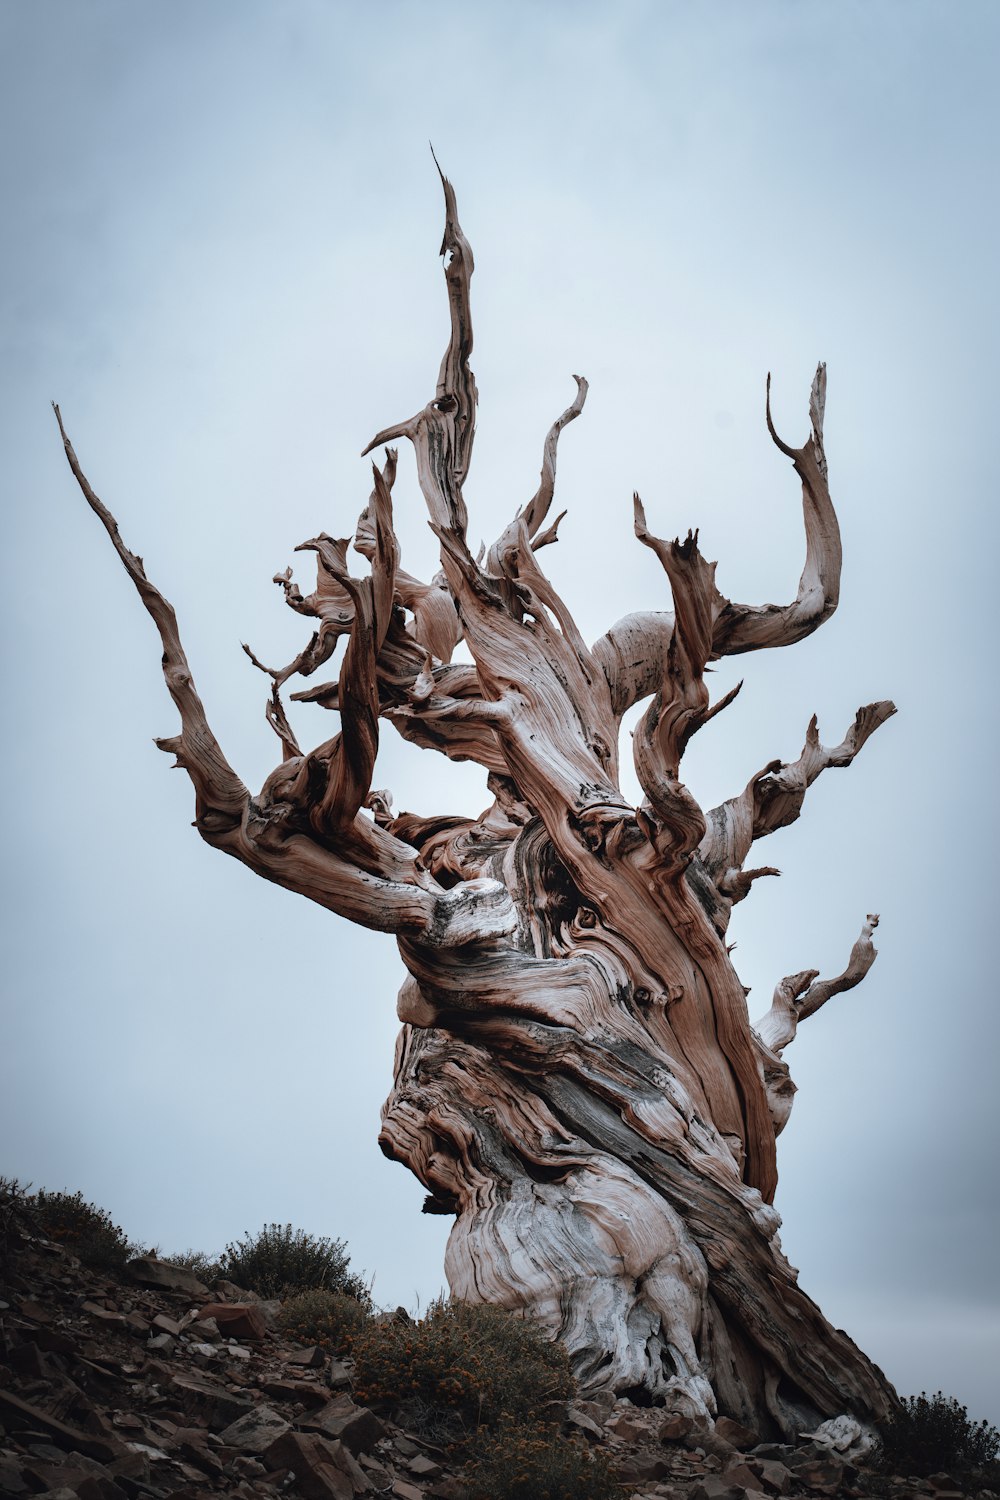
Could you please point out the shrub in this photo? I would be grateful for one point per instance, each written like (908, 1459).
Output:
(17, 1220)
(465, 1366)
(931, 1434)
(518, 1463)
(83, 1228)
(206, 1267)
(329, 1319)
(281, 1261)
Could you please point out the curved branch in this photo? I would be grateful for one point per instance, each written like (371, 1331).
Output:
(435, 620)
(863, 955)
(278, 720)
(680, 704)
(746, 627)
(800, 995)
(442, 434)
(773, 797)
(634, 651)
(537, 508)
(261, 832)
(353, 760)
(633, 656)
(220, 796)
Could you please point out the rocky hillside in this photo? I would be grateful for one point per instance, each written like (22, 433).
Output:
(155, 1385)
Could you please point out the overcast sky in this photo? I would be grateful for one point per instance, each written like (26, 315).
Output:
(220, 257)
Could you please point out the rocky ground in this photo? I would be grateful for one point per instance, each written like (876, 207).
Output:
(154, 1385)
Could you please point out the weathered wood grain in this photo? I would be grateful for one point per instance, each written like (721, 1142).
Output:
(577, 1080)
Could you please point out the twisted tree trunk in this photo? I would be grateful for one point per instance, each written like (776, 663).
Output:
(577, 1079)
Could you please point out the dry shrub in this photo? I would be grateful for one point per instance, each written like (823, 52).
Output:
(463, 1367)
(280, 1261)
(526, 1463)
(86, 1230)
(330, 1319)
(933, 1434)
(207, 1268)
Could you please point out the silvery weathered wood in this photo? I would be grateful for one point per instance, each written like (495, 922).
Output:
(577, 1080)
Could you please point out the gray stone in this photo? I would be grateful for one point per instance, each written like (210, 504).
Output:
(354, 1425)
(309, 1359)
(641, 1467)
(604, 1401)
(423, 1467)
(12, 1480)
(340, 1374)
(739, 1473)
(714, 1487)
(404, 1491)
(774, 1476)
(109, 1318)
(676, 1427)
(203, 1398)
(825, 1474)
(734, 1432)
(448, 1489)
(584, 1423)
(147, 1271)
(256, 1431)
(323, 1470)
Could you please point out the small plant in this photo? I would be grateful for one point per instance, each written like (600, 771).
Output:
(524, 1463)
(17, 1219)
(463, 1367)
(280, 1261)
(206, 1267)
(329, 1319)
(83, 1228)
(933, 1434)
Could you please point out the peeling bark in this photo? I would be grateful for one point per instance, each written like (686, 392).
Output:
(577, 1080)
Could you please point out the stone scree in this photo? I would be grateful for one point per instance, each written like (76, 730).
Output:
(154, 1385)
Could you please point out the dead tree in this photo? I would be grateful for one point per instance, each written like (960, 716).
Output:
(577, 1079)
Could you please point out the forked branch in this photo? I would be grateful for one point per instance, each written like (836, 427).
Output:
(773, 797)
(633, 653)
(801, 995)
(388, 891)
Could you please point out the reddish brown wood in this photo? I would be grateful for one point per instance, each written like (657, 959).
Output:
(577, 1079)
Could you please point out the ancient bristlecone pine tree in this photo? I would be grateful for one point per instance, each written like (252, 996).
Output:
(577, 1079)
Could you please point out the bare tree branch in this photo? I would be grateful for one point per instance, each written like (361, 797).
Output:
(577, 1079)
(801, 995)
(221, 797)
(442, 433)
(537, 508)
(773, 797)
(634, 650)
(743, 627)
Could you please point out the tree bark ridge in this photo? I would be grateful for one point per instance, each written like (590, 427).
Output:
(577, 1080)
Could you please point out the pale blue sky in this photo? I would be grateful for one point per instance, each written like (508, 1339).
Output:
(219, 255)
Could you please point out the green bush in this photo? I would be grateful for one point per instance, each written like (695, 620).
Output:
(280, 1261)
(329, 1319)
(933, 1434)
(83, 1228)
(523, 1463)
(464, 1366)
